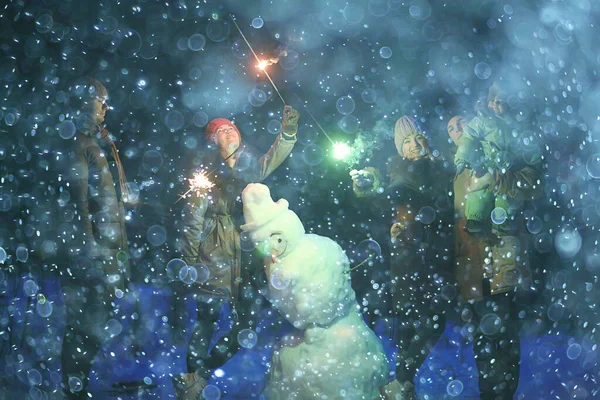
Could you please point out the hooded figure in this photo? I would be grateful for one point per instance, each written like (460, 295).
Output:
(419, 204)
(334, 354)
(210, 237)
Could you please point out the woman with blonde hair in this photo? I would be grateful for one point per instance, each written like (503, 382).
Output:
(417, 199)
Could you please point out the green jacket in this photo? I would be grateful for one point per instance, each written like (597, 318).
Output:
(493, 142)
(100, 219)
(487, 142)
(211, 223)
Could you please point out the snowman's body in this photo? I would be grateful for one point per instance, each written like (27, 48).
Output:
(335, 355)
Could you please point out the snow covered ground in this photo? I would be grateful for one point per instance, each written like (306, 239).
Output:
(142, 368)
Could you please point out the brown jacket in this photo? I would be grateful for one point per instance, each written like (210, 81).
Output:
(211, 223)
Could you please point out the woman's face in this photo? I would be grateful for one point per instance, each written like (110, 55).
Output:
(227, 138)
(415, 147)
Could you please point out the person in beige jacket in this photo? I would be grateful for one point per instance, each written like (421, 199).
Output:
(492, 272)
(211, 239)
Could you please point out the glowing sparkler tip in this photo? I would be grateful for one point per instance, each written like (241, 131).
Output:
(262, 64)
(341, 150)
(200, 183)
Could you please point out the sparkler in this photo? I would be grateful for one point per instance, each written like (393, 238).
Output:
(361, 263)
(341, 150)
(263, 64)
(199, 183)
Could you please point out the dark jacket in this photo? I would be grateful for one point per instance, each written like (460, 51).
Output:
(419, 198)
(100, 219)
(211, 223)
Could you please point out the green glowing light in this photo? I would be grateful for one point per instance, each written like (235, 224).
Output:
(215, 16)
(341, 150)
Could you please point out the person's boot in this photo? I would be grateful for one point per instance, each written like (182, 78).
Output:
(189, 386)
(396, 390)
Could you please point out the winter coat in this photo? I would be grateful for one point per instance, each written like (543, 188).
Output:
(211, 223)
(501, 259)
(100, 216)
(495, 142)
(419, 196)
(470, 251)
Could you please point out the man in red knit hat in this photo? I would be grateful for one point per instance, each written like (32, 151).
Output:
(210, 240)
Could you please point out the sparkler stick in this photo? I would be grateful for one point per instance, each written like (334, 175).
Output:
(319, 125)
(261, 64)
(361, 263)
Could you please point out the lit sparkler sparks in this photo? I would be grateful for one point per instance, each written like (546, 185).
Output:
(260, 62)
(200, 183)
(341, 150)
(263, 64)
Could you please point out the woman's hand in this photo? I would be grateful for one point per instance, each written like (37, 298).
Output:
(479, 183)
(362, 179)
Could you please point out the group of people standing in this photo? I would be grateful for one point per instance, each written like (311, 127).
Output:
(459, 243)
(449, 258)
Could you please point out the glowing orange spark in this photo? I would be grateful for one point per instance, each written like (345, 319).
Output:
(262, 65)
(200, 183)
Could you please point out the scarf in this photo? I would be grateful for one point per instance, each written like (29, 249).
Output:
(105, 136)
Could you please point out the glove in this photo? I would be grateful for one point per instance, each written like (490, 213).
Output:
(290, 121)
(362, 178)
(460, 167)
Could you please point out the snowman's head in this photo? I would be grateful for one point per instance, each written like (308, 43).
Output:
(274, 228)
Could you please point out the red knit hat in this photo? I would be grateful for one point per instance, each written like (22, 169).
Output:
(211, 128)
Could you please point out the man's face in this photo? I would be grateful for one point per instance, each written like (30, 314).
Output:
(497, 105)
(98, 107)
(415, 147)
(227, 138)
(456, 128)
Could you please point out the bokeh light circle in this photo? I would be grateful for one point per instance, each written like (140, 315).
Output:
(482, 70)
(279, 280)
(426, 215)
(385, 52)
(156, 235)
(490, 324)
(247, 338)
(345, 105)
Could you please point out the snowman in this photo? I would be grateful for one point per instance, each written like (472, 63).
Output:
(333, 354)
